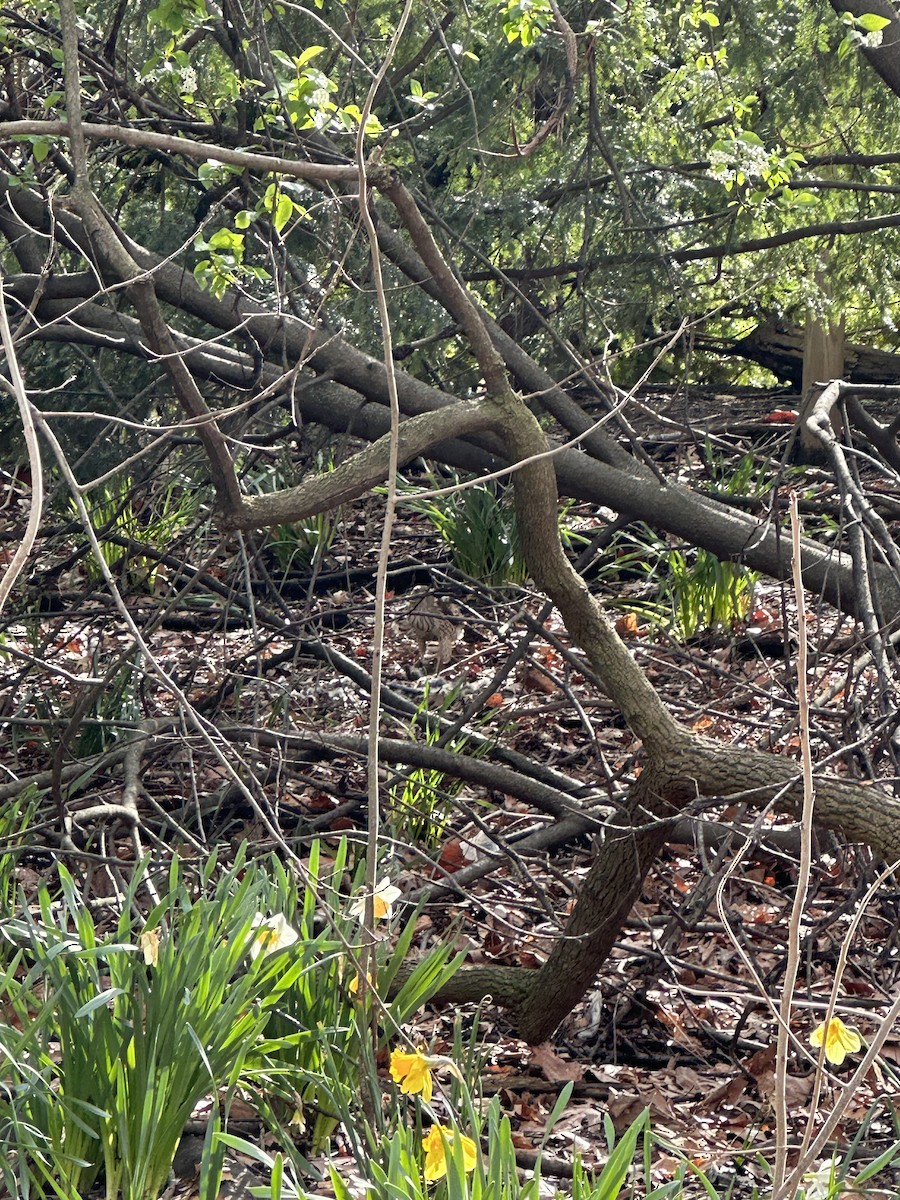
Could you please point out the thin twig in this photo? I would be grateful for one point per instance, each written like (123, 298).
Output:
(16, 385)
(806, 836)
(367, 955)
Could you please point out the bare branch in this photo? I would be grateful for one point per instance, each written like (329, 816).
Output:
(204, 151)
(17, 388)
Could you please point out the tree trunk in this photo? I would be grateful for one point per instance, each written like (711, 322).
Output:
(823, 361)
(823, 353)
(610, 890)
(884, 58)
(781, 351)
(685, 768)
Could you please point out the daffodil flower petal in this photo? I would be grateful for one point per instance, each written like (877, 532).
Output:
(436, 1146)
(149, 945)
(838, 1039)
(271, 934)
(382, 901)
(412, 1072)
(353, 985)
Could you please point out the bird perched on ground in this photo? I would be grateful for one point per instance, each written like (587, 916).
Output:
(432, 619)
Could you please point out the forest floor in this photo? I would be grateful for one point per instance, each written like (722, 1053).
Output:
(680, 1019)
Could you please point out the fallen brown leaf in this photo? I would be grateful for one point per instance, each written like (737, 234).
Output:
(554, 1068)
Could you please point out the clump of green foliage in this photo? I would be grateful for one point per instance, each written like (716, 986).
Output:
(122, 512)
(301, 545)
(421, 802)
(706, 593)
(478, 524)
(304, 544)
(694, 591)
(703, 591)
(110, 1038)
(17, 815)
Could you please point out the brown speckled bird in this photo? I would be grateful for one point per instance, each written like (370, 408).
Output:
(430, 619)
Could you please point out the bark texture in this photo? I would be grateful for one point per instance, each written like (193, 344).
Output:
(781, 351)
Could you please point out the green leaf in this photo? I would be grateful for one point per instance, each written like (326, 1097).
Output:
(613, 1175)
(871, 22)
(227, 239)
(101, 1000)
(249, 1148)
(308, 54)
(561, 1101)
(212, 171)
(872, 1169)
(283, 211)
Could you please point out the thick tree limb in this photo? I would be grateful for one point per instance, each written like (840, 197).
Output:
(705, 522)
(361, 472)
(200, 151)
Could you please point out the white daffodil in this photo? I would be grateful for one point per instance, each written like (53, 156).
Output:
(382, 901)
(820, 1184)
(272, 933)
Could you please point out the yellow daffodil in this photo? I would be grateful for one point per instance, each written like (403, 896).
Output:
(436, 1147)
(382, 902)
(353, 985)
(149, 946)
(412, 1072)
(839, 1040)
(272, 933)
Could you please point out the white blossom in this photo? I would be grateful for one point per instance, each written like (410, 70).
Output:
(272, 933)
(382, 901)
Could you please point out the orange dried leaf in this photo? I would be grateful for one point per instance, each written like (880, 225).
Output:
(537, 681)
(452, 856)
(627, 626)
(780, 416)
